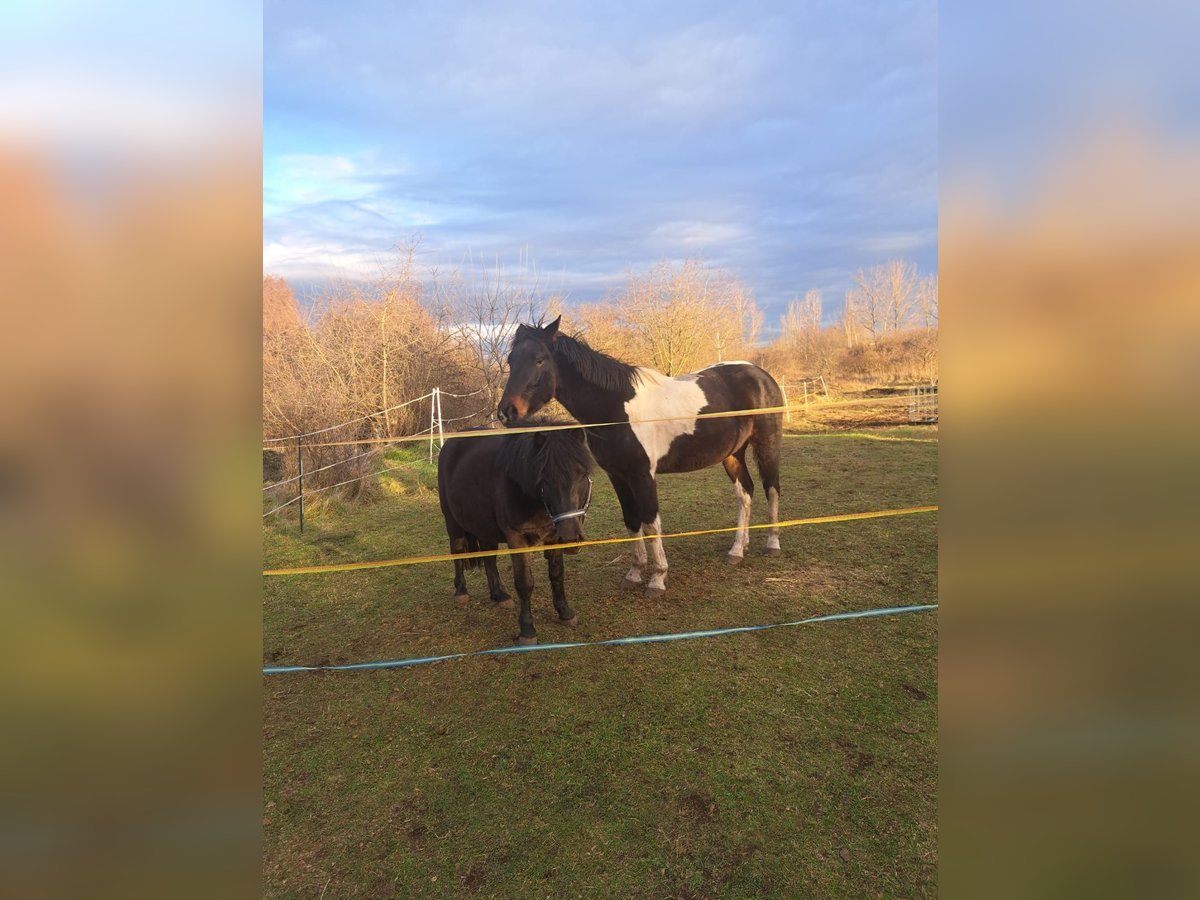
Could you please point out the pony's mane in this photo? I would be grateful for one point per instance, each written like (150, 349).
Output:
(595, 367)
(561, 457)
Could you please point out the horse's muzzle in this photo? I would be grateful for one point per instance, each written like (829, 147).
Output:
(569, 532)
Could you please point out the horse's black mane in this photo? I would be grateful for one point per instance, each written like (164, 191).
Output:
(560, 459)
(594, 367)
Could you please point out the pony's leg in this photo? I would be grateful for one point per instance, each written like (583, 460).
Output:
(768, 445)
(743, 490)
(495, 586)
(633, 523)
(554, 564)
(523, 579)
(458, 544)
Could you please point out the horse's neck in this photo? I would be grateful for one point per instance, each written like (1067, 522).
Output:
(587, 402)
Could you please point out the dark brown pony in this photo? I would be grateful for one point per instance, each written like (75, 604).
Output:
(523, 490)
(545, 364)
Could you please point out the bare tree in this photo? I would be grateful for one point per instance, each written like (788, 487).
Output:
(882, 297)
(927, 302)
(680, 318)
(280, 310)
(850, 319)
(900, 289)
(482, 308)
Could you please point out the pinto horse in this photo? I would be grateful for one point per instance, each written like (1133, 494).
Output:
(595, 388)
(524, 490)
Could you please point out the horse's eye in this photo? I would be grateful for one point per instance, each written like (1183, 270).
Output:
(541, 361)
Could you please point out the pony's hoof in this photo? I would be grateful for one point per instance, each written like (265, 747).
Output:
(733, 560)
(570, 623)
(630, 584)
(527, 641)
(462, 598)
(506, 603)
(772, 551)
(653, 593)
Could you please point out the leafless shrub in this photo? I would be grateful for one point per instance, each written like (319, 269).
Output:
(676, 318)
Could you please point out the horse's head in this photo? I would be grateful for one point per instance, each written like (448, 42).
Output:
(532, 376)
(564, 466)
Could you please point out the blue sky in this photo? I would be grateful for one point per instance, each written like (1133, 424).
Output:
(791, 142)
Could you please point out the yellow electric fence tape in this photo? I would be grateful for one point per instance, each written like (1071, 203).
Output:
(449, 557)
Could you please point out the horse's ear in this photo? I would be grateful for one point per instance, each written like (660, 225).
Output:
(551, 330)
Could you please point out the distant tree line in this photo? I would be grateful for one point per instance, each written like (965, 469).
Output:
(364, 347)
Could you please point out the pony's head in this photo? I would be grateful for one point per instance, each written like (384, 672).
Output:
(562, 468)
(532, 376)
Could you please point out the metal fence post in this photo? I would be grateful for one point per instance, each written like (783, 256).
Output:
(300, 480)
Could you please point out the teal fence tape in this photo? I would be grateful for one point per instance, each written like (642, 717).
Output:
(640, 639)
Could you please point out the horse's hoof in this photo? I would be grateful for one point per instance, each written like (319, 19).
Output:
(772, 551)
(506, 603)
(462, 598)
(653, 593)
(527, 641)
(570, 623)
(733, 560)
(630, 584)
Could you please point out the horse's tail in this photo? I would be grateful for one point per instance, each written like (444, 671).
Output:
(767, 436)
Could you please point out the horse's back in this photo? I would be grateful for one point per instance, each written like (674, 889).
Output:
(467, 472)
(683, 445)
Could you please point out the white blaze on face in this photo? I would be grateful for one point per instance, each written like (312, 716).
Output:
(660, 397)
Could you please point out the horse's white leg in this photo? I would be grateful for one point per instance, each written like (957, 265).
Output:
(773, 518)
(637, 556)
(658, 565)
(741, 537)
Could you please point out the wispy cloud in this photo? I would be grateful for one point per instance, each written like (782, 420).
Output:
(793, 143)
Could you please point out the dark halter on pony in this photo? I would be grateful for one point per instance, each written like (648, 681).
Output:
(570, 514)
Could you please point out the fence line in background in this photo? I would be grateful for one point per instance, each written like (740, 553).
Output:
(340, 462)
(733, 413)
(865, 437)
(292, 437)
(436, 429)
(512, 551)
(281, 506)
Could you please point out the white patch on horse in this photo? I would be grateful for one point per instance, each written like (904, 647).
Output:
(658, 565)
(729, 362)
(660, 397)
(773, 513)
(741, 537)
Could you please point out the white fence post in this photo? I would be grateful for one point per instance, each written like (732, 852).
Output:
(433, 399)
(787, 406)
(441, 422)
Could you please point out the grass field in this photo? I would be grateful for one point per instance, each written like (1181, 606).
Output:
(796, 762)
